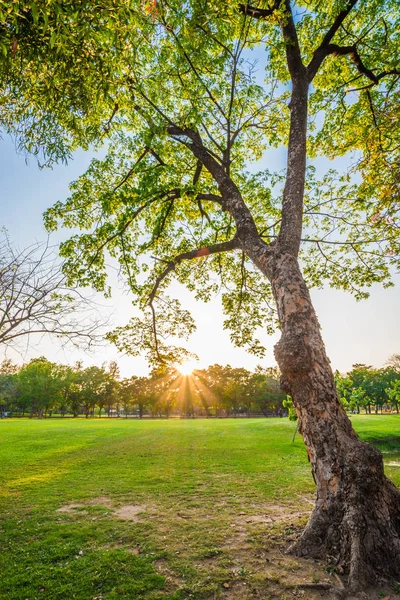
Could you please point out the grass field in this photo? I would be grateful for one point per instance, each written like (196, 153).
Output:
(107, 509)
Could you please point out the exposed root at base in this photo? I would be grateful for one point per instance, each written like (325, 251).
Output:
(359, 539)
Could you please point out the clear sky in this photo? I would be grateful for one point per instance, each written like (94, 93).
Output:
(367, 331)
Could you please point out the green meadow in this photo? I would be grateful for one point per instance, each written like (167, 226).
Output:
(142, 510)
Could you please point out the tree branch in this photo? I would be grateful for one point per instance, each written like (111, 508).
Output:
(131, 170)
(352, 52)
(321, 52)
(258, 13)
(197, 253)
(172, 264)
(293, 53)
(231, 199)
(292, 45)
(292, 205)
(34, 299)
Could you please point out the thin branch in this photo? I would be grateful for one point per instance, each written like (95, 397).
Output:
(172, 264)
(34, 299)
(197, 253)
(107, 126)
(197, 172)
(131, 171)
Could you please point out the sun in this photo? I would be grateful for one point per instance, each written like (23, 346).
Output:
(186, 368)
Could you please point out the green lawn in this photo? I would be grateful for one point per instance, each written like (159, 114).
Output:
(206, 501)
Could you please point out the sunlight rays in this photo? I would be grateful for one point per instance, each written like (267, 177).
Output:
(186, 368)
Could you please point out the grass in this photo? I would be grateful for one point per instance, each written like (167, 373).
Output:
(214, 497)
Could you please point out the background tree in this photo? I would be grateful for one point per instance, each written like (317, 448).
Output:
(394, 362)
(93, 386)
(394, 393)
(40, 386)
(186, 115)
(67, 379)
(138, 388)
(126, 392)
(214, 380)
(111, 389)
(8, 386)
(365, 387)
(35, 300)
(266, 393)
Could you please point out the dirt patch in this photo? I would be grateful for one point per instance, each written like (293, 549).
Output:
(72, 508)
(101, 501)
(267, 516)
(309, 499)
(273, 575)
(79, 507)
(130, 512)
(274, 514)
(275, 518)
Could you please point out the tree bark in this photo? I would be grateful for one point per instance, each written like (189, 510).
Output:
(356, 519)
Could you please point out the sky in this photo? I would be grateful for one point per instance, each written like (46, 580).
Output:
(363, 332)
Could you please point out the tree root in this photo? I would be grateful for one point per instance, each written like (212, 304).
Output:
(360, 538)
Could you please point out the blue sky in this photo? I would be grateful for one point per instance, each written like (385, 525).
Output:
(367, 331)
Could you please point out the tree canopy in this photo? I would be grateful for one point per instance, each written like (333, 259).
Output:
(167, 83)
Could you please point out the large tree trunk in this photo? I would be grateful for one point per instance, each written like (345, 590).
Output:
(356, 519)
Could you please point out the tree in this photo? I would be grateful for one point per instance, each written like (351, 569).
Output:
(34, 299)
(39, 384)
(111, 390)
(125, 394)
(93, 382)
(266, 392)
(8, 386)
(359, 384)
(67, 380)
(394, 393)
(140, 388)
(187, 114)
(394, 362)
(365, 386)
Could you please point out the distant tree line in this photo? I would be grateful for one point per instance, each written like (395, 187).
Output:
(44, 389)
(369, 389)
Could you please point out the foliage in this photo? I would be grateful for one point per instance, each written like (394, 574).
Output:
(365, 386)
(39, 385)
(55, 62)
(173, 86)
(44, 389)
(288, 403)
(393, 393)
